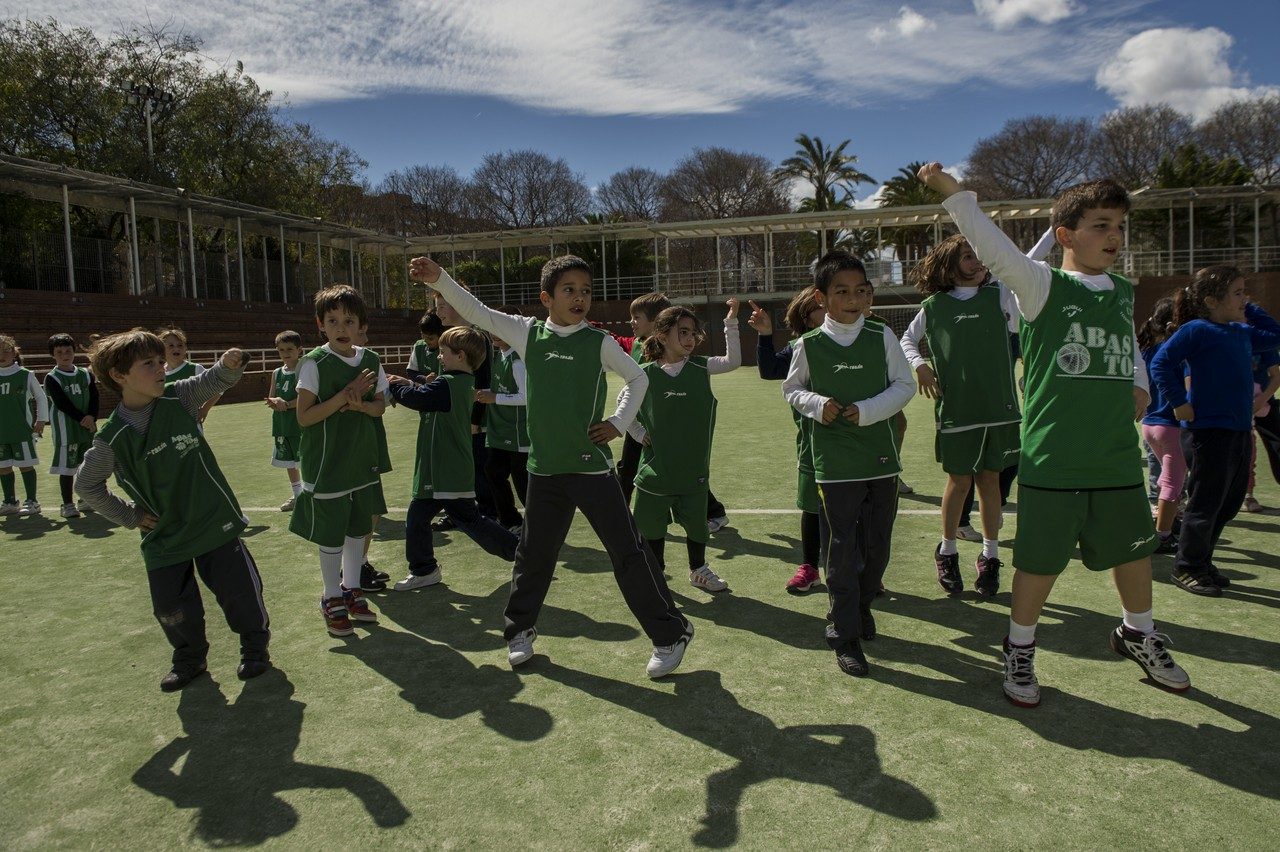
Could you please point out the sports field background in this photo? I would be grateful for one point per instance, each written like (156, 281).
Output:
(416, 732)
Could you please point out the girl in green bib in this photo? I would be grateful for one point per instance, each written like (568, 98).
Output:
(675, 424)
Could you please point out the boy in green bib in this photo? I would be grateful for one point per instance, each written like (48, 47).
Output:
(73, 397)
(286, 434)
(443, 471)
(176, 365)
(506, 421)
(341, 389)
(19, 388)
(189, 519)
(1081, 476)
(424, 359)
(570, 464)
(676, 422)
(850, 378)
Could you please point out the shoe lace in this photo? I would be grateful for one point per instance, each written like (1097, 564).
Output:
(1153, 646)
(705, 573)
(1020, 664)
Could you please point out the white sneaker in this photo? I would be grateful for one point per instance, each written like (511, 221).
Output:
(7, 508)
(31, 507)
(1020, 684)
(968, 533)
(705, 578)
(520, 647)
(287, 505)
(84, 507)
(666, 658)
(69, 510)
(1149, 652)
(415, 581)
(904, 488)
(714, 525)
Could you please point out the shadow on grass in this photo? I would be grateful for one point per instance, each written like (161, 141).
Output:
(778, 623)
(239, 756)
(15, 528)
(703, 710)
(92, 525)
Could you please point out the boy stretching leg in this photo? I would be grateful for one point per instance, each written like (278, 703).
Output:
(570, 465)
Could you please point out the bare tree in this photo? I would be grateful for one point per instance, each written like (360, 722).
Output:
(1249, 131)
(527, 189)
(426, 199)
(1131, 142)
(1033, 157)
(633, 194)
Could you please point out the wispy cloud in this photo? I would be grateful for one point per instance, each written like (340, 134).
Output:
(638, 57)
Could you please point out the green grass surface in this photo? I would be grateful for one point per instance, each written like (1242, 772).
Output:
(416, 733)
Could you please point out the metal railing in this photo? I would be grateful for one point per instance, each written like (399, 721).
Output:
(260, 360)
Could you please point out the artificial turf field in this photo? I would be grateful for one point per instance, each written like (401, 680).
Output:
(416, 733)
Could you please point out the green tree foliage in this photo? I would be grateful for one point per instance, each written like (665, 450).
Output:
(831, 173)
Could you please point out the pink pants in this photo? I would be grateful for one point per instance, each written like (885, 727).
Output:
(1166, 443)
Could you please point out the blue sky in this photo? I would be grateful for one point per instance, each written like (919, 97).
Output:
(608, 84)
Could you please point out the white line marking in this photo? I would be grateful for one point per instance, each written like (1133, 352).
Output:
(276, 510)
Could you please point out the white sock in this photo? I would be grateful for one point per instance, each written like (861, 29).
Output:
(990, 548)
(948, 547)
(352, 559)
(297, 487)
(331, 571)
(1142, 622)
(1020, 635)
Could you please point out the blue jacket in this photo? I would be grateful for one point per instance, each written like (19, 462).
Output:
(1159, 410)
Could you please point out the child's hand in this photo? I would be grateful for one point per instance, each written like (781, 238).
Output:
(733, 309)
(928, 382)
(427, 379)
(148, 522)
(486, 397)
(603, 432)
(38, 428)
(234, 359)
(1261, 404)
(1182, 412)
(361, 384)
(851, 414)
(1141, 399)
(830, 411)
(759, 320)
(424, 269)
(932, 176)
(88, 422)
(355, 399)
(399, 381)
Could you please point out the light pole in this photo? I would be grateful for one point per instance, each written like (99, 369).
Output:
(148, 96)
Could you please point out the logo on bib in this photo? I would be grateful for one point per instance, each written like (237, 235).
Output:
(1073, 358)
(1110, 354)
(843, 366)
(586, 457)
(967, 316)
(185, 443)
(1072, 310)
(670, 394)
(1140, 542)
(557, 356)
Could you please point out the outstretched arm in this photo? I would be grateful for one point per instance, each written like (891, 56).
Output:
(513, 329)
(732, 358)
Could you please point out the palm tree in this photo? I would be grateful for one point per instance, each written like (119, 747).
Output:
(906, 190)
(827, 170)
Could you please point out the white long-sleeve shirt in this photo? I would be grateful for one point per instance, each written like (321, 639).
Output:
(1029, 279)
(34, 390)
(882, 406)
(515, 331)
(717, 364)
(1008, 303)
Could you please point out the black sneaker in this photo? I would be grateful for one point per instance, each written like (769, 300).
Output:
(988, 582)
(1218, 578)
(851, 660)
(868, 624)
(1197, 584)
(178, 678)
(369, 581)
(948, 571)
(249, 669)
(1168, 545)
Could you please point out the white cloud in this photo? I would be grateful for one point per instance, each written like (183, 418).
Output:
(640, 57)
(1008, 13)
(1184, 68)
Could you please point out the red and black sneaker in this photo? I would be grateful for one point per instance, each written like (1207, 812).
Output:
(803, 580)
(948, 571)
(358, 606)
(988, 582)
(336, 618)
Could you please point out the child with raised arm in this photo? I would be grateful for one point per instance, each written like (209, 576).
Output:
(73, 398)
(644, 311)
(340, 392)
(804, 314)
(506, 430)
(850, 378)
(1218, 331)
(570, 465)
(443, 473)
(1080, 472)
(965, 320)
(286, 434)
(189, 519)
(674, 425)
(19, 428)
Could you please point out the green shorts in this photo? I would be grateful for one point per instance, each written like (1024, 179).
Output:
(807, 499)
(18, 454)
(654, 512)
(285, 453)
(982, 448)
(328, 522)
(68, 457)
(1111, 527)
